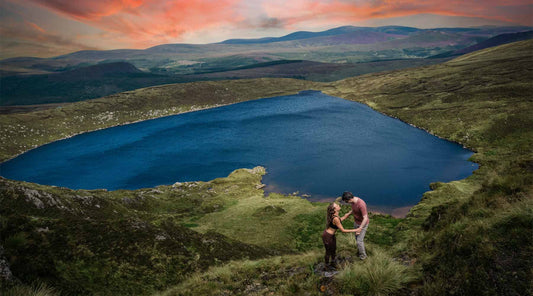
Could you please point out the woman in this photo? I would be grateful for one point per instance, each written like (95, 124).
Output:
(333, 222)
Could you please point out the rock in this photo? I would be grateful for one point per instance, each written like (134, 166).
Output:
(258, 170)
(259, 186)
(5, 272)
(160, 237)
(40, 198)
(85, 199)
(40, 229)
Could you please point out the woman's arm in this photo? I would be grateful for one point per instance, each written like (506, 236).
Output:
(337, 221)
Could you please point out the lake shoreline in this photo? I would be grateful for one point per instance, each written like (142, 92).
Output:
(395, 212)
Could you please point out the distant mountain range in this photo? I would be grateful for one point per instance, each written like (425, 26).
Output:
(322, 56)
(394, 30)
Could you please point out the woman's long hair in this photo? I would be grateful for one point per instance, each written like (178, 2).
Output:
(330, 214)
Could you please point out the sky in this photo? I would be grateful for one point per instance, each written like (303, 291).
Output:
(47, 28)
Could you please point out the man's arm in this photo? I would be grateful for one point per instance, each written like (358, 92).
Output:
(363, 224)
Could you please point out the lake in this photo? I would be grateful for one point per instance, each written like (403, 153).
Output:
(310, 143)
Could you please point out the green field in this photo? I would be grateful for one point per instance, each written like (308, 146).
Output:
(222, 237)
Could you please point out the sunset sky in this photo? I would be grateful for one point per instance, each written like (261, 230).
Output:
(46, 28)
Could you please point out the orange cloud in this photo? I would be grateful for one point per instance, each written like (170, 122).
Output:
(297, 11)
(142, 23)
(147, 22)
(36, 27)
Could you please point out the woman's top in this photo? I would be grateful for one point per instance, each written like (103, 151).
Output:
(332, 225)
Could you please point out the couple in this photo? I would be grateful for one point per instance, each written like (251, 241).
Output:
(333, 222)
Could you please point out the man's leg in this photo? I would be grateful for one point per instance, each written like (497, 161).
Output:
(360, 241)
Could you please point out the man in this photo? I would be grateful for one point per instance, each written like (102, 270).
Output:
(360, 216)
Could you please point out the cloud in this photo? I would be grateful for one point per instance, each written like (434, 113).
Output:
(89, 10)
(298, 11)
(30, 39)
(147, 22)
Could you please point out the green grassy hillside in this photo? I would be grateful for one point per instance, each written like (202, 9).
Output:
(467, 237)
(473, 236)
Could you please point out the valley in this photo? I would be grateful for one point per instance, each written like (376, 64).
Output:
(445, 245)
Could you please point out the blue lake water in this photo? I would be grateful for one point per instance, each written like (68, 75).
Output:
(311, 143)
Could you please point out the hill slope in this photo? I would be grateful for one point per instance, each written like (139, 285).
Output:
(468, 237)
(474, 236)
(491, 42)
(76, 85)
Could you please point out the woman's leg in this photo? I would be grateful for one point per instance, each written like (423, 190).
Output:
(333, 250)
(329, 245)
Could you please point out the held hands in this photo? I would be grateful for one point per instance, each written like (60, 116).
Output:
(358, 231)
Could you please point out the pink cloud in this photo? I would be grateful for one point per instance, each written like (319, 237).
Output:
(87, 9)
(143, 23)
(147, 22)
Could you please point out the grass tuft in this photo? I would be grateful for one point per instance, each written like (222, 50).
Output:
(38, 289)
(378, 275)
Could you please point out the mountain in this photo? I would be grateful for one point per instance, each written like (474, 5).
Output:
(76, 85)
(332, 32)
(100, 71)
(346, 51)
(342, 44)
(105, 79)
(495, 41)
(491, 42)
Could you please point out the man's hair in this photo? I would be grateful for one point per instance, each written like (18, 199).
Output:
(346, 196)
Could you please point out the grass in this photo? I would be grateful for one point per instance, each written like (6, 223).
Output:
(483, 101)
(467, 237)
(38, 289)
(282, 275)
(378, 275)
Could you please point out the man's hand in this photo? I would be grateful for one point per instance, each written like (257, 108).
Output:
(346, 216)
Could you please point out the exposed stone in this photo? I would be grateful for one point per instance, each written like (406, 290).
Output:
(258, 170)
(160, 237)
(5, 271)
(85, 199)
(40, 198)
